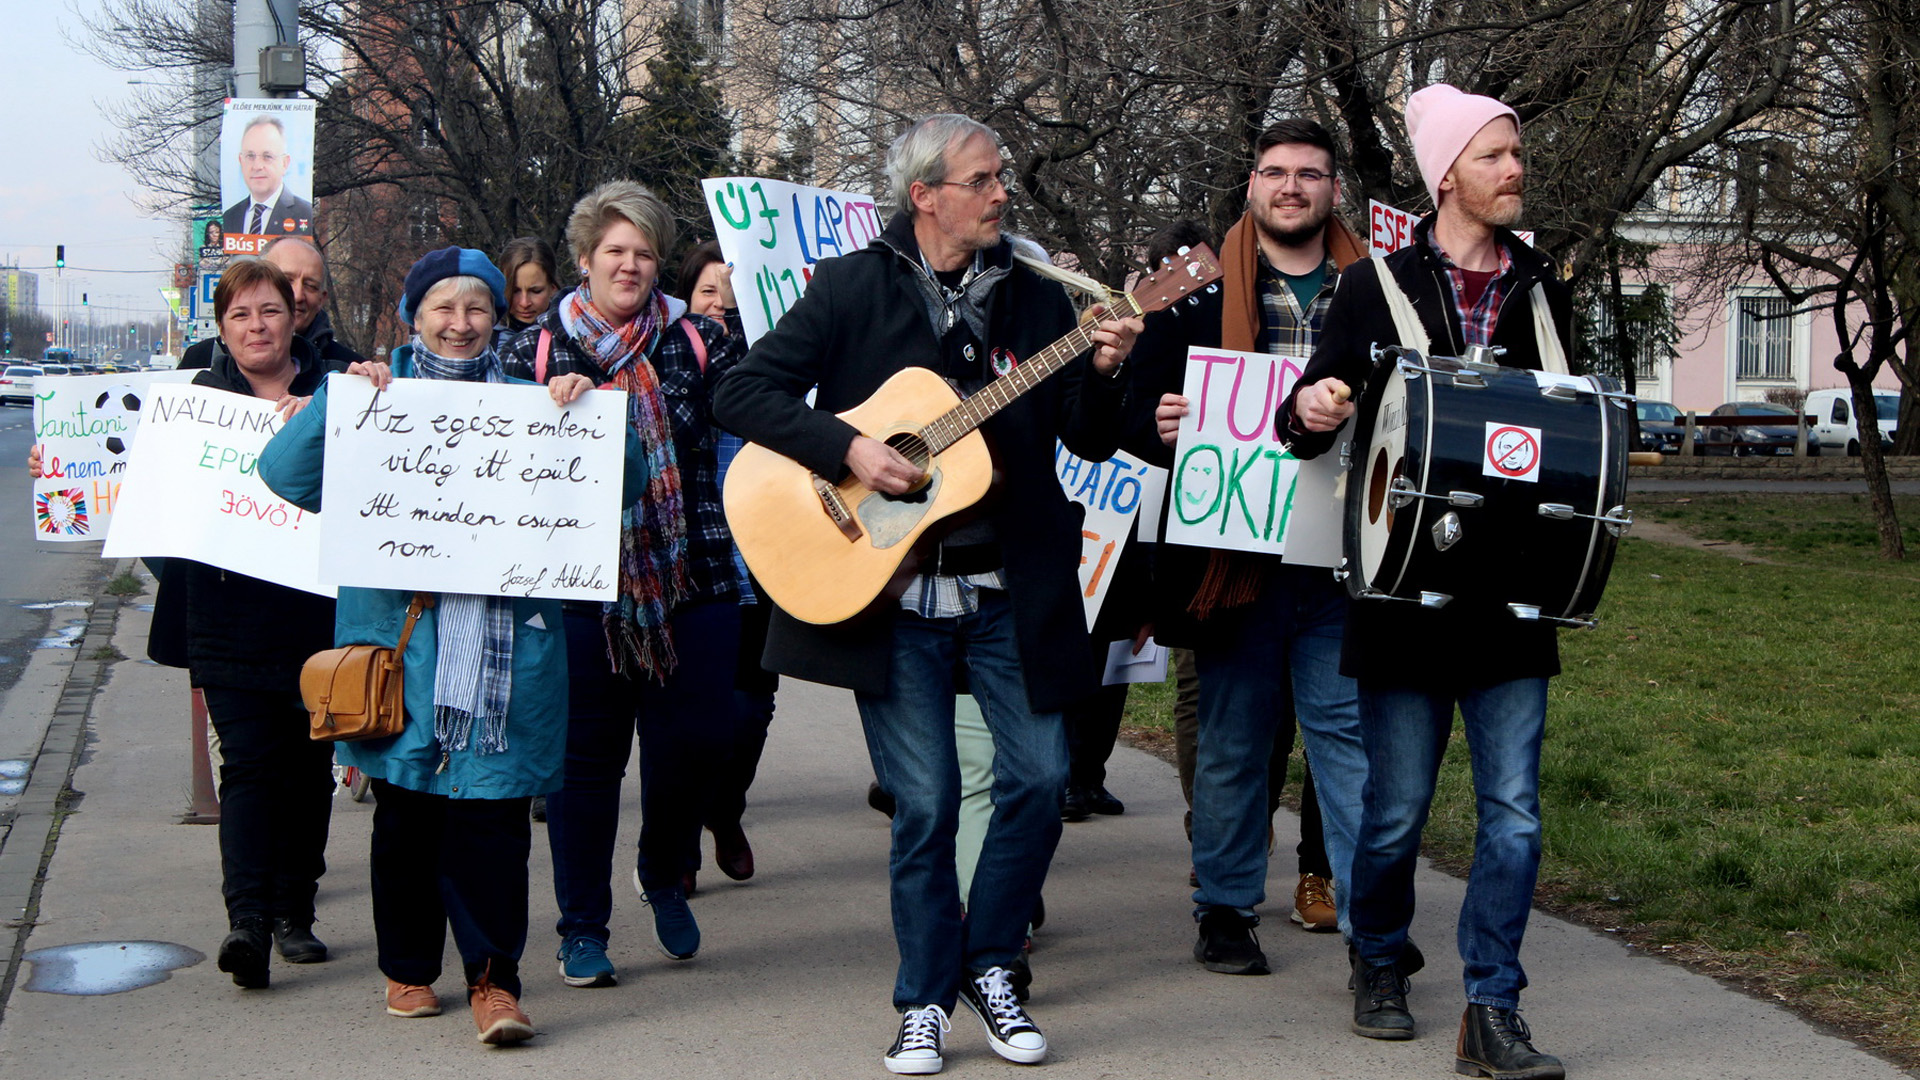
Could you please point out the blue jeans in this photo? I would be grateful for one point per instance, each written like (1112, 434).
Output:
(910, 736)
(687, 734)
(1295, 629)
(1406, 734)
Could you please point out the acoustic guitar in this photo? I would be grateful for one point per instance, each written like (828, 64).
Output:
(825, 551)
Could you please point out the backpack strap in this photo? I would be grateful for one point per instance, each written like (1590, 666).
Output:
(540, 356)
(699, 343)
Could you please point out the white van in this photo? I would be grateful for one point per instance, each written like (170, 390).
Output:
(1836, 425)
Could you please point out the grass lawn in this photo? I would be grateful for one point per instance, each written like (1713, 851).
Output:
(1732, 768)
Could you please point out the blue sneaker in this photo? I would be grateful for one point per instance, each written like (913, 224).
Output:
(583, 962)
(673, 927)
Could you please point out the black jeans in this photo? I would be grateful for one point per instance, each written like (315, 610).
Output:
(276, 800)
(440, 862)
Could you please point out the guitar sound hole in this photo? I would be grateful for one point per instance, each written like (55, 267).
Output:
(912, 447)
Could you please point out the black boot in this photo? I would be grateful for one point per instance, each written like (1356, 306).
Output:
(296, 942)
(1380, 1001)
(1073, 805)
(243, 954)
(1495, 1042)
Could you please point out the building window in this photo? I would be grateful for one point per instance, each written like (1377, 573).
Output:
(1647, 341)
(1763, 334)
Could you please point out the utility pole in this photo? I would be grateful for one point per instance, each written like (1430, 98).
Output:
(257, 25)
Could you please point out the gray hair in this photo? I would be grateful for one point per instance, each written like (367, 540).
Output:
(270, 120)
(459, 286)
(326, 272)
(620, 199)
(919, 155)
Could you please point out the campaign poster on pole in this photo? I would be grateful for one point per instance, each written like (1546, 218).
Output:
(773, 233)
(1113, 492)
(1234, 482)
(266, 172)
(483, 488)
(84, 426)
(194, 491)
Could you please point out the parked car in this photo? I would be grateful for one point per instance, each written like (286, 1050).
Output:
(1837, 426)
(1760, 439)
(1661, 427)
(56, 369)
(16, 384)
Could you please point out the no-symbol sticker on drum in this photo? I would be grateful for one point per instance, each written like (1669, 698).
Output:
(1513, 452)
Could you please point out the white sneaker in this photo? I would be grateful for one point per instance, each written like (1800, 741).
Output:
(923, 1035)
(1011, 1032)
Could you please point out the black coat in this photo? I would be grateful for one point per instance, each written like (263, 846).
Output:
(861, 320)
(228, 629)
(1470, 642)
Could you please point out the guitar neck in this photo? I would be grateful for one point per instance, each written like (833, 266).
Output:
(978, 408)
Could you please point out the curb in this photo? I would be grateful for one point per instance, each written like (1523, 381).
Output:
(45, 801)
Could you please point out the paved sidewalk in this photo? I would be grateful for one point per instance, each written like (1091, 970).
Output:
(794, 976)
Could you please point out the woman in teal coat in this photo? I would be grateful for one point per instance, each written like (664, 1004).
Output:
(486, 694)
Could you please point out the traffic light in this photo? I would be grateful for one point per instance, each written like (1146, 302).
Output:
(83, 299)
(59, 256)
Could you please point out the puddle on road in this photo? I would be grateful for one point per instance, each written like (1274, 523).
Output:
(107, 967)
(51, 604)
(13, 776)
(66, 637)
(148, 608)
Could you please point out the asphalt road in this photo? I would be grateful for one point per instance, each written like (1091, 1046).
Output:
(33, 574)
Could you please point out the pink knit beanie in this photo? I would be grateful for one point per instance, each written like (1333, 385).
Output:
(1441, 121)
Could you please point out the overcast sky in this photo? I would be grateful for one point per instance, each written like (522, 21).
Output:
(55, 189)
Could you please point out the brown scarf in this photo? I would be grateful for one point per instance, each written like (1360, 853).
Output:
(1234, 578)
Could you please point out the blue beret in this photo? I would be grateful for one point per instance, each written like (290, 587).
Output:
(436, 266)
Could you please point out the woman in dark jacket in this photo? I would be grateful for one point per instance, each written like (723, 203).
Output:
(533, 280)
(243, 641)
(662, 660)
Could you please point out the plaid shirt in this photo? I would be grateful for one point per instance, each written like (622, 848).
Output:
(689, 393)
(948, 596)
(1476, 326)
(1285, 329)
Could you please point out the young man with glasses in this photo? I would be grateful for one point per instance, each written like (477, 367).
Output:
(1262, 630)
(1000, 601)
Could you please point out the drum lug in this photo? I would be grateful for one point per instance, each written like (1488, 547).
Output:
(1469, 380)
(1560, 392)
(1484, 359)
(1403, 496)
(1340, 572)
(1446, 531)
(1617, 520)
(1531, 613)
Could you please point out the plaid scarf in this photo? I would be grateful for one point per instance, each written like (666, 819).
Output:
(653, 531)
(473, 671)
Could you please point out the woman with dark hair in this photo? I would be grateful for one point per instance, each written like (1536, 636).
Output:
(243, 641)
(662, 660)
(533, 280)
(705, 282)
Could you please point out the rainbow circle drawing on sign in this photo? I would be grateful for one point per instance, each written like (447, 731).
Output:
(61, 513)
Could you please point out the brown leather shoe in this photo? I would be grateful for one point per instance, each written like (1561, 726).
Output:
(731, 852)
(411, 1002)
(497, 1014)
(1313, 904)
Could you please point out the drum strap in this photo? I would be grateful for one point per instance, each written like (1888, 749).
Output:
(1552, 357)
(1406, 324)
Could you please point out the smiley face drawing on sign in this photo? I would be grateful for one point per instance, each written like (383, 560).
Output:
(1513, 452)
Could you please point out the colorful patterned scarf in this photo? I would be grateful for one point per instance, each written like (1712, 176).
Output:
(653, 531)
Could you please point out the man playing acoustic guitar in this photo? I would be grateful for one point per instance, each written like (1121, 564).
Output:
(941, 290)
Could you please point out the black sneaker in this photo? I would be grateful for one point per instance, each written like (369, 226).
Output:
(1495, 1042)
(1380, 1002)
(1073, 806)
(244, 953)
(1101, 801)
(1010, 1031)
(1227, 943)
(923, 1036)
(296, 942)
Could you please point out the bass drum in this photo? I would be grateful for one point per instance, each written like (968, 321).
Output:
(1489, 485)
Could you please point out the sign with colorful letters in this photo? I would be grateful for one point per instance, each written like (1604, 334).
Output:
(84, 426)
(1114, 493)
(773, 233)
(194, 491)
(1234, 482)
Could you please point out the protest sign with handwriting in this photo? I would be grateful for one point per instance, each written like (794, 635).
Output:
(1234, 485)
(1114, 492)
(773, 232)
(485, 488)
(84, 426)
(192, 490)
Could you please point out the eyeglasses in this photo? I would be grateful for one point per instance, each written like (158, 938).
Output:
(1307, 177)
(1004, 178)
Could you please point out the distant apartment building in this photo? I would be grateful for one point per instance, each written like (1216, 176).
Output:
(19, 289)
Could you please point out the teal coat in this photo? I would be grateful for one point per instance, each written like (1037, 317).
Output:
(292, 465)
